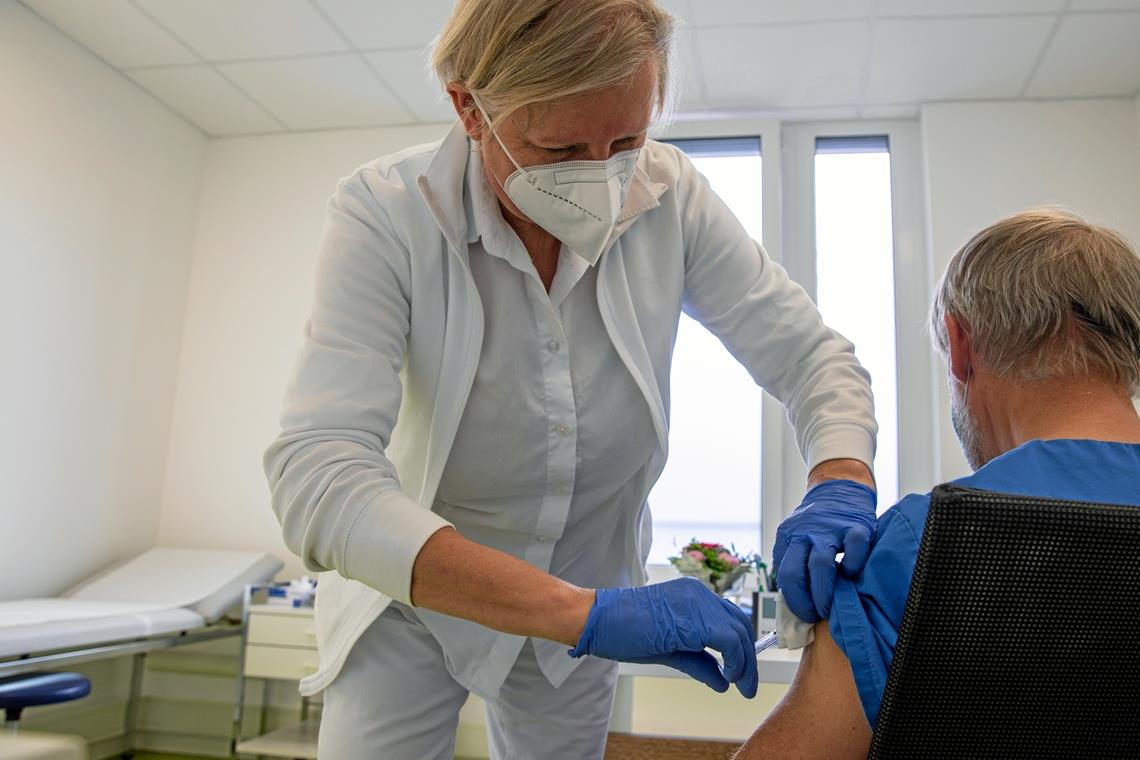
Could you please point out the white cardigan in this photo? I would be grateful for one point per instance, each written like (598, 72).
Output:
(393, 343)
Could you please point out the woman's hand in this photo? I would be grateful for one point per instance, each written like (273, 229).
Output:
(835, 516)
(670, 624)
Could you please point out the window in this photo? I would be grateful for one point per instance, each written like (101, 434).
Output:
(710, 488)
(854, 249)
(839, 206)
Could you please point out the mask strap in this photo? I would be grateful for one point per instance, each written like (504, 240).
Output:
(494, 132)
(966, 391)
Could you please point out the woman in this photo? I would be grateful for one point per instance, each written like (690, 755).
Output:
(480, 409)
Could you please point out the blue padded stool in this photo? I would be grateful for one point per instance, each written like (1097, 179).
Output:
(34, 689)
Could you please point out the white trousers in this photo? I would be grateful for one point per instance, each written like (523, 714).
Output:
(395, 700)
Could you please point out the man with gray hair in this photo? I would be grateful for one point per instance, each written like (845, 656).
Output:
(1038, 317)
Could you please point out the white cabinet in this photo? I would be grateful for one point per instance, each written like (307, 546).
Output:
(282, 626)
(279, 662)
(279, 643)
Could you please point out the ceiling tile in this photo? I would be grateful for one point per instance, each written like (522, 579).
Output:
(370, 24)
(406, 73)
(1091, 56)
(1104, 5)
(820, 113)
(749, 67)
(966, 7)
(114, 30)
(686, 64)
(201, 95)
(899, 111)
(319, 92)
(222, 30)
(951, 59)
(737, 12)
(682, 9)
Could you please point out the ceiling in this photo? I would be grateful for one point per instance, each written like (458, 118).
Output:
(237, 67)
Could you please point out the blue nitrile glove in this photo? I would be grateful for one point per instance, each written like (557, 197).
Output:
(670, 624)
(836, 515)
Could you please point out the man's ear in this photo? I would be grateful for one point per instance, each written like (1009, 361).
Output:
(465, 108)
(961, 357)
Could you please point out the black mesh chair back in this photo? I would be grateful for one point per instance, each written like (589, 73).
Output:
(1021, 633)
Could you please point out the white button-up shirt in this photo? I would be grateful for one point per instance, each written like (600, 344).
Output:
(395, 340)
(539, 469)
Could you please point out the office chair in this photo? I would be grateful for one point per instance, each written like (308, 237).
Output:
(1021, 633)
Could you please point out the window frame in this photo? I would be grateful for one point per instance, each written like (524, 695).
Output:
(772, 466)
(789, 238)
(915, 360)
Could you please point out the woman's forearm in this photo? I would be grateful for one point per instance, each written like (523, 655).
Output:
(459, 577)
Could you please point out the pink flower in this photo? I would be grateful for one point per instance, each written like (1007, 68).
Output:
(698, 556)
(728, 559)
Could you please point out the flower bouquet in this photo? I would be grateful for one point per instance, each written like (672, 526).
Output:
(715, 565)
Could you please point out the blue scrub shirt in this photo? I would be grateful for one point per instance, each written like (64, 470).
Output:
(868, 610)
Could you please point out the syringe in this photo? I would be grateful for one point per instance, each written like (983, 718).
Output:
(767, 641)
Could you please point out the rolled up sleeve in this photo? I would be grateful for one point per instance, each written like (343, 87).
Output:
(335, 492)
(867, 611)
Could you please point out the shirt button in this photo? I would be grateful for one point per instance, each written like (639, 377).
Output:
(553, 346)
(560, 491)
(561, 429)
(544, 539)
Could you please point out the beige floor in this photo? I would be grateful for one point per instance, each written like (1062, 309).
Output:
(619, 747)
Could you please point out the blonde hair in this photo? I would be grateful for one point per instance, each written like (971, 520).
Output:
(517, 53)
(1044, 294)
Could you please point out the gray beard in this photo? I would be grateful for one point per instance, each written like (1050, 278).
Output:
(966, 428)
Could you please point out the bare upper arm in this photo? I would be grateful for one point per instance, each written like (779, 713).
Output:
(820, 716)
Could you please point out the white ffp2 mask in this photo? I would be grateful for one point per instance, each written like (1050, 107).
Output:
(577, 202)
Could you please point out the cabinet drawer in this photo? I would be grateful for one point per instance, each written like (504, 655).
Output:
(282, 630)
(280, 662)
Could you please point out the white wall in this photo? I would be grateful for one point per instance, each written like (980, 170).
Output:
(98, 190)
(988, 160)
(263, 209)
